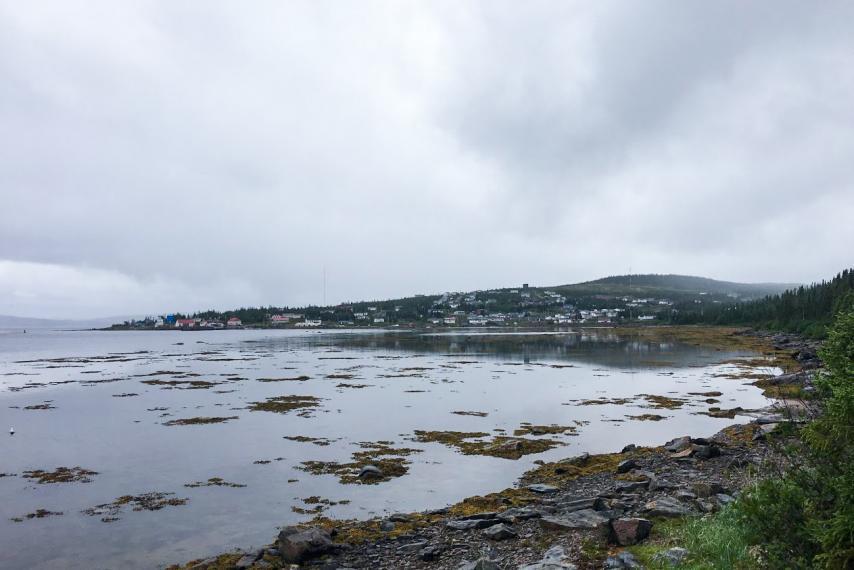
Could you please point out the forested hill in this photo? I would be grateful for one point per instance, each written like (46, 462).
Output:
(808, 310)
(682, 283)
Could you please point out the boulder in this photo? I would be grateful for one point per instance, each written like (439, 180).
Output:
(628, 531)
(500, 532)
(665, 507)
(626, 465)
(706, 451)
(298, 545)
(628, 448)
(678, 444)
(400, 517)
(387, 525)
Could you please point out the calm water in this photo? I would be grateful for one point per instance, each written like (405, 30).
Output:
(411, 381)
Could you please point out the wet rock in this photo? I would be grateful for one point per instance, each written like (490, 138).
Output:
(626, 465)
(542, 489)
(583, 519)
(624, 559)
(678, 444)
(554, 559)
(672, 557)
(370, 472)
(628, 531)
(665, 507)
(500, 532)
(297, 545)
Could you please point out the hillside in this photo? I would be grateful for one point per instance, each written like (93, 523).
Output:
(609, 299)
(673, 285)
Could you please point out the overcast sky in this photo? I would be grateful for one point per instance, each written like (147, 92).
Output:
(159, 156)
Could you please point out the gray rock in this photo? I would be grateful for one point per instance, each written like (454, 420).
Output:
(724, 499)
(706, 451)
(399, 517)
(626, 465)
(678, 444)
(665, 507)
(632, 486)
(542, 489)
(685, 496)
(624, 559)
(370, 472)
(297, 545)
(471, 524)
(430, 553)
(387, 526)
(519, 514)
(500, 532)
(672, 557)
(412, 546)
(595, 503)
(628, 531)
(583, 519)
(628, 448)
(554, 559)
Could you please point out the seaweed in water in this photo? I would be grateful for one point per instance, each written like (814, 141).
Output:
(201, 420)
(61, 475)
(146, 502)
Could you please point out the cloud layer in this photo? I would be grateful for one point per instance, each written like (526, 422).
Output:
(161, 156)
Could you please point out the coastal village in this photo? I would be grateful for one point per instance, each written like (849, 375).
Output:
(524, 306)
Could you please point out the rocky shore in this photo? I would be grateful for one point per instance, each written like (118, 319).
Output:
(580, 512)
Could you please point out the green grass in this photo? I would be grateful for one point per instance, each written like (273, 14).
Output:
(714, 542)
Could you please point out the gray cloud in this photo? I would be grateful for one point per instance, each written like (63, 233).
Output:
(157, 156)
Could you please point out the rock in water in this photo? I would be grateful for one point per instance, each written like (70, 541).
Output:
(370, 472)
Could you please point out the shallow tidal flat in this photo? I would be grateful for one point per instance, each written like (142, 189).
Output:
(140, 449)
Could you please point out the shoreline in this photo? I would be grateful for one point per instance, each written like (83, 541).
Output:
(572, 513)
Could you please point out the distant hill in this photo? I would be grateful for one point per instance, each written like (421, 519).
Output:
(672, 285)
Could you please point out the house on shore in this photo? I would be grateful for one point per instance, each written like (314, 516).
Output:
(234, 322)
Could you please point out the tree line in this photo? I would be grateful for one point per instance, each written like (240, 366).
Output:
(808, 310)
